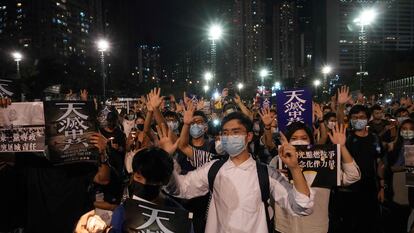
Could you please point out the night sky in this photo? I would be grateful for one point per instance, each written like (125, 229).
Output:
(175, 25)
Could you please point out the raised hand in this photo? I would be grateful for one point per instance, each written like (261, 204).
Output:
(287, 153)
(84, 95)
(155, 98)
(343, 95)
(317, 111)
(149, 106)
(267, 118)
(338, 135)
(166, 139)
(237, 99)
(186, 99)
(188, 114)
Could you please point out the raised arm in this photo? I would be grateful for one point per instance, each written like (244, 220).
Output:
(343, 98)
(350, 170)
(104, 171)
(183, 144)
(267, 120)
(243, 107)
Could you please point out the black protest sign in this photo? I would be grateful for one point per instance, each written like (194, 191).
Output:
(409, 165)
(321, 165)
(22, 127)
(145, 217)
(69, 124)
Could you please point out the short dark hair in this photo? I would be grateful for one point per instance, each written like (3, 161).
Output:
(295, 126)
(326, 107)
(329, 115)
(202, 114)
(171, 114)
(154, 164)
(243, 119)
(376, 107)
(139, 115)
(399, 111)
(359, 108)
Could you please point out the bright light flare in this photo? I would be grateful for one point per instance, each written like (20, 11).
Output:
(17, 56)
(215, 32)
(240, 86)
(326, 70)
(103, 45)
(366, 17)
(316, 83)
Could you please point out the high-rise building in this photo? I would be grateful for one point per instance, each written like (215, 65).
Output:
(149, 64)
(45, 28)
(392, 30)
(293, 41)
(248, 20)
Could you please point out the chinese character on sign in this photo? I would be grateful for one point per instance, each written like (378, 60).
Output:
(294, 106)
(153, 217)
(72, 124)
(3, 91)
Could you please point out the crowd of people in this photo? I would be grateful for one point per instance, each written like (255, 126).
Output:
(220, 164)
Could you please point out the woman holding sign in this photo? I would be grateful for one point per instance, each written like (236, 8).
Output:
(318, 222)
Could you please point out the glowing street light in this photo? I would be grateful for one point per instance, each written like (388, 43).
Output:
(205, 88)
(240, 86)
(263, 73)
(103, 46)
(365, 18)
(326, 69)
(215, 32)
(316, 83)
(17, 57)
(208, 76)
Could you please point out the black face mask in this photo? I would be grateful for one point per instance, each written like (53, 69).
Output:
(140, 127)
(145, 191)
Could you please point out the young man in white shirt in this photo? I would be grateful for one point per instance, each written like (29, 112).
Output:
(236, 204)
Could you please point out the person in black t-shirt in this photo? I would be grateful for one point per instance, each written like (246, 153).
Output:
(359, 206)
(379, 125)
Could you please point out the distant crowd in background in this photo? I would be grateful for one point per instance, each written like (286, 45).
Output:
(218, 159)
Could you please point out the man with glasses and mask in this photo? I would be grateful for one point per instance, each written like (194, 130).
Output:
(237, 198)
(366, 149)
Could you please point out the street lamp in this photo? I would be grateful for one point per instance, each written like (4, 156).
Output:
(215, 32)
(263, 73)
(103, 46)
(240, 87)
(206, 88)
(208, 76)
(316, 83)
(17, 57)
(326, 70)
(365, 18)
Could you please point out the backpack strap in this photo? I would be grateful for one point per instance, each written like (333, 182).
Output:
(264, 183)
(214, 169)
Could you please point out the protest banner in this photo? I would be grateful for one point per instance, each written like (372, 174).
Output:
(409, 165)
(145, 217)
(69, 124)
(321, 165)
(22, 127)
(293, 106)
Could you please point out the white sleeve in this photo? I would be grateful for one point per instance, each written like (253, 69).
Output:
(350, 173)
(287, 197)
(193, 184)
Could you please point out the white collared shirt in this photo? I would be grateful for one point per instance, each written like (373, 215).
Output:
(236, 204)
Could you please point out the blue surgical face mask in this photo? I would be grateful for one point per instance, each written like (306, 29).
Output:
(234, 144)
(197, 130)
(359, 124)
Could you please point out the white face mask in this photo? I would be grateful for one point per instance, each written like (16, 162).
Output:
(299, 143)
(331, 125)
(219, 148)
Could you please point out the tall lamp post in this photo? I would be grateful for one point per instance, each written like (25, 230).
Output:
(263, 73)
(326, 70)
(215, 32)
(17, 57)
(365, 18)
(316, 83)
(103, 46)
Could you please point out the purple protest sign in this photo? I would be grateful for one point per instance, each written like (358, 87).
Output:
(292, 106)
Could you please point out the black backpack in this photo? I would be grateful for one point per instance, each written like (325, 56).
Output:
(264, 184)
